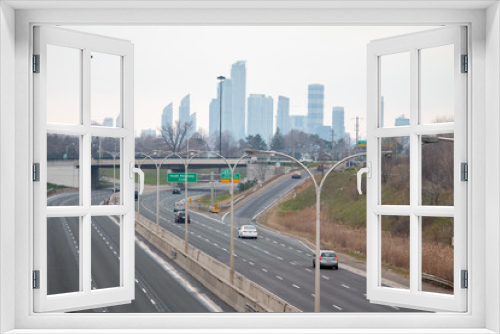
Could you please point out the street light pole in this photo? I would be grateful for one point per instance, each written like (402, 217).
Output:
(221, 78)
(318, 188)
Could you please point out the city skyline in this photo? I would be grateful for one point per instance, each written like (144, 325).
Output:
(332, 56)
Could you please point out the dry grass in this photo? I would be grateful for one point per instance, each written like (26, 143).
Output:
(437, 258)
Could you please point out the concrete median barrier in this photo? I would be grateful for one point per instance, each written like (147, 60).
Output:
(244, 296)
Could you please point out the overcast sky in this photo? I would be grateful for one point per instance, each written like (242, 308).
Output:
(173, 61)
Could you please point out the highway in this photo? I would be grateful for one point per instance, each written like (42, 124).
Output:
(281, 264)
(160, 285)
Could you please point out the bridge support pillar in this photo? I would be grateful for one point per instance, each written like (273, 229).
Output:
(94, 177)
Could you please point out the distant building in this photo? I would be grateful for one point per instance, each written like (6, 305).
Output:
(167, 116)
(315, 106)
(260, 116)
(227, 105)
(118, 123)
(298, 122)
(338, 123)
(214, 118)
(324, 132)
(283, 121)
(238, 99)
(148, 133)
(108, 121)
(402, 121)
(193, 124)
(185, 110)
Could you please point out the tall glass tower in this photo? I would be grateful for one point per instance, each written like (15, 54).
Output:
(185, 110)
(315, 107)
(338, 122)
(167, 116)
(239, 82)
(283, 121)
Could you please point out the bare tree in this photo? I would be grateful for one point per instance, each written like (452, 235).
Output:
(175, 136)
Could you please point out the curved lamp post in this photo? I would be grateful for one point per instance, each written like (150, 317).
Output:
(318, 211)
(232, 169)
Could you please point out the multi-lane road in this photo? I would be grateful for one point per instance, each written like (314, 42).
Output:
(160, 286)
(281, 264)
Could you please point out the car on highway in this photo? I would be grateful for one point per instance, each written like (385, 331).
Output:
(327, 259)
(247, 231)
(296, 175)
(176, 191)
(181, 216)
(136, 195)
(179, 206)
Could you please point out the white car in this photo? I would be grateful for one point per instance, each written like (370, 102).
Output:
(179, 206)
(247, 231)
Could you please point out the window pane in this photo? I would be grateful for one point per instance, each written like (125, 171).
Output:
(437, 254)
(105, 90)
(63, 169)
(395, 253)
(395, 170)
(105, 170)
(437, 83)
(63, 84)
(105, 247)
(395, 90)
(63, 255)
(437, 169)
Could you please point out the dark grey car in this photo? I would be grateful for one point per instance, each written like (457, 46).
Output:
(327, 259)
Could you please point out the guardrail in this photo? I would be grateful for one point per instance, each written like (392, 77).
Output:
(244, 295)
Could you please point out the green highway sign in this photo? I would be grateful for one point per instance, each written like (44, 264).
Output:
(362, 143)
(225, 176)
(181, 177)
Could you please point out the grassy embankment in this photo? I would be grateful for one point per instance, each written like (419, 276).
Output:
(343, 224)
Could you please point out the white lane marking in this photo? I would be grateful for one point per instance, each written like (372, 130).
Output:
(338, 307)
(143, 290)
(309, 270)
(223, 217)
(251, 263)
(279, 277)
(136, 280)
(274, 241)
(345, 286)
(292, 263)
(325, 277)
(283, 245)
(153, 302)
(225, 250)
(313, 295)
(264, 270)
(296, 286)
(395, 307)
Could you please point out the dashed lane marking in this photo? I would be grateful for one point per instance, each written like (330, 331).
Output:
(296, 286)
(279, 277)
(345, 286)
(338, 307)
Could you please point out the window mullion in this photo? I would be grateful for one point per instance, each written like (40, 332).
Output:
(414, 170)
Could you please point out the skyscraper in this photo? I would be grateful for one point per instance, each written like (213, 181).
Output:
(260, 116)
(185, 110)
(214, 118)
(298, 122)
(283, 121)
(227, 106)
(338, 122)
(315, 107)
(238, 79)
(108, 121)
(402, 121)
(193, 124)
(167, 116)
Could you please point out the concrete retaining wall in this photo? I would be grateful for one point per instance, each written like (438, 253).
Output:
(244, 296)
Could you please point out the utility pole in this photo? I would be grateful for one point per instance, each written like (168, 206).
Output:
(212, 188)
(221, 78)
(357, 134)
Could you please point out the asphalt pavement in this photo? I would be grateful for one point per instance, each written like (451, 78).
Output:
(281, 264)
(160, 286)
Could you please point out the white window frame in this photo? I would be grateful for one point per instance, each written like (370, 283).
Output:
(414, 296)
(484, 84)
(85, 298)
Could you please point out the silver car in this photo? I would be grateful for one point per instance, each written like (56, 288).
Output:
(327, 258)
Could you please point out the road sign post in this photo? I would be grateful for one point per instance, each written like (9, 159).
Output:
(181, 177)
(225, 176)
